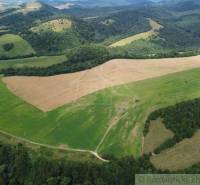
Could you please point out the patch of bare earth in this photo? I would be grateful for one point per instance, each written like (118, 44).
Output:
(181, 156)
(48, 93)
(156, 136)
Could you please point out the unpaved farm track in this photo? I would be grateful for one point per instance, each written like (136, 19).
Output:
(48, 93)
(54, 147)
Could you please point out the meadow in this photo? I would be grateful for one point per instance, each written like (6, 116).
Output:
(43, 61)
(19, 48)
(109, 122)
(57, 25)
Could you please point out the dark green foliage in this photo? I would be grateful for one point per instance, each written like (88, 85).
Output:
(182, 119)
(123, 24)
(8, 46)
(19, 166)
(86, 53)
(49, 42)
(79, 59)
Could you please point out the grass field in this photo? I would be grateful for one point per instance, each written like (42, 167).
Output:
(110, 121)
(21, 47)
(43, 61)
(156, 136)
(181, 156)
(57, 25)
(155, 27)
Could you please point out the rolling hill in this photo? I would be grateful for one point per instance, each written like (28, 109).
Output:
(13, 46)
(74, 111)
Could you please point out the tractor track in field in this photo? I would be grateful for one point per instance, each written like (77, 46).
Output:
(54, 147)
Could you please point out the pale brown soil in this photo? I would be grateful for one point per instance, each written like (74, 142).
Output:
(156, 136)
(181, 156)
(48, 93)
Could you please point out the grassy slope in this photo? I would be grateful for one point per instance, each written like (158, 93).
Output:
(83, 123)
(57, 25)
(43, 61)
(21, 47)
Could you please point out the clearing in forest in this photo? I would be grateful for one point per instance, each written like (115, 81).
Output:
(155, 27)
(30, 7)
(57, 25)
(156, 136)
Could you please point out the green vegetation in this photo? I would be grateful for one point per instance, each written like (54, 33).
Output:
(57, 25)
(96, 112)
(13, 46)
(81, 58)
(155, 27)
(44, 61)
(19, 166)
(180, 31)
(182, 119)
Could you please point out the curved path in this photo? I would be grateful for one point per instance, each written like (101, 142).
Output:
(54, 147)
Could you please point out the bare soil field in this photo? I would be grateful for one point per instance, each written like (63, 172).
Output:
(181, 156)
(48, 93)
(156, 136)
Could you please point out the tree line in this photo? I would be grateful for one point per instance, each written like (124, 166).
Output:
(19, 166)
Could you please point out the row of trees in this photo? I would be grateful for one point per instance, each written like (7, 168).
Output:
(81, 58)
(85, 57)
(20, 166)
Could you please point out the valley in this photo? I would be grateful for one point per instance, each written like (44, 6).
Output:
(95, 92)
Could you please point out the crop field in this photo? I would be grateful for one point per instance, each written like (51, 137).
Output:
(156, 136)
(155, 27)
(181, 156)
(43, 61)
(20, 46)
(57, 25)
(67, 88)
(110, 121)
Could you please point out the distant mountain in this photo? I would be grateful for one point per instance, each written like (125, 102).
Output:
(97, 3)
(182, 5)
(81, 3)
